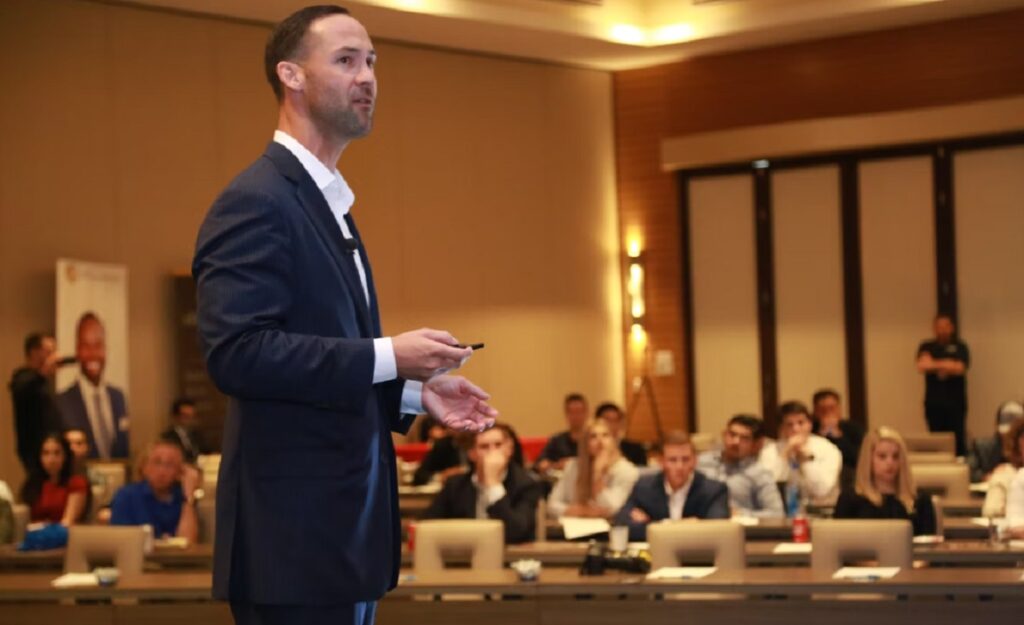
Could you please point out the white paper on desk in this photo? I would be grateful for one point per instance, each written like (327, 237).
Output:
(75, 580)
(784, 548)
(682, 572)
(985, 521)
(1016, 544)
(746, 521)
(578, 527)
(979, 487)
(866, 572)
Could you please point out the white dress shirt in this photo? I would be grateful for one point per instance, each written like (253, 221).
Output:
(1015, 501)
(340, 198)
(618, 484)
(104, 416)
(677, 498)
(819, 476)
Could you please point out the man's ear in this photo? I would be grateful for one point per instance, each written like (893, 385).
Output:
(291, 75)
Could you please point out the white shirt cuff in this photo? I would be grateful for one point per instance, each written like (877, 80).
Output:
(384, 366)
(494, 493)
(412, 398)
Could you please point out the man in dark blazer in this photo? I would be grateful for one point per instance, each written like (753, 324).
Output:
(91, 404)
(307, 505)
(182, 431)
(676, 492)
(494, 487)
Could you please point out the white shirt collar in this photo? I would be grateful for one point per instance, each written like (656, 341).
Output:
(685, 488)
(330, 182)
(86, 384)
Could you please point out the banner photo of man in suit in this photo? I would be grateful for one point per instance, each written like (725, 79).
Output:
(91, 316)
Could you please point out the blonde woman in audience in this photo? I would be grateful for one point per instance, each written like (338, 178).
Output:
(1002, 478)
(884, 488)
(597, 482)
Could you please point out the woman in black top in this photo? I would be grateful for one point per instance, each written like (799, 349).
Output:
(884, 488)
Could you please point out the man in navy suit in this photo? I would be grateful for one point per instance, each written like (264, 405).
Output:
(307, 506)
(676, 492)
(91, 404)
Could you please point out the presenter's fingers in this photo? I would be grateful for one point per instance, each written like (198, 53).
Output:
(440, 336)
(451, 357)
(472, 389)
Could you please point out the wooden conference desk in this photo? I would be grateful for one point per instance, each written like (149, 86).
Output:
(933, 596)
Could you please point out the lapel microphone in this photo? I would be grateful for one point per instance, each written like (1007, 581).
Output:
(351, 245)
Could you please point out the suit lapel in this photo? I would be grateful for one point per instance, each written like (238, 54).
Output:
(660, 498)
(690, 506)
(315, 206)
(370, 286)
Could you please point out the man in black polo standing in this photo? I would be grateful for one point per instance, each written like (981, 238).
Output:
(35, 410)
(944, 361)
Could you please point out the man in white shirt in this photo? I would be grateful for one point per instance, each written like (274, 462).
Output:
(91, 404)
(816, 460)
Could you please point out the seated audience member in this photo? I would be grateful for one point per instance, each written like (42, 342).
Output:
(676, 492)
(494, 488)
(985, 454)
(562, 446)
(597, 481)
(53, 492)
(183, 432)
(164, 498)
(445, 458)
(616, 420)
(752, 488)
(1002, 478)
(884, 488)
(845, 434)
(6, 514)
(1015, 505)
(79, 444)
(816, 460)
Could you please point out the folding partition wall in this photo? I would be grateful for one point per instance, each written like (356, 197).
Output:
(826, 271)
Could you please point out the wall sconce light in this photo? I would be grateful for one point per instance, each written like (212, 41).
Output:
(635, 283)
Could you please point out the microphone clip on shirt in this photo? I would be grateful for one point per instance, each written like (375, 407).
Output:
(351, 245)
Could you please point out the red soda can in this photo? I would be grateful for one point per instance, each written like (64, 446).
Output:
(411, 532)
(801, 530)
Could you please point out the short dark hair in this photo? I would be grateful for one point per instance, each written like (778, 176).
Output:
(571, 397)
(793, 407)
(822, 393)
(605, 407)
(182, 401)
(85, 318)
(285, 41)
(35, 340)
(751, 422)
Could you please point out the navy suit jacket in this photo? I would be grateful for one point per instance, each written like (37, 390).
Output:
(73, 416)
(307, 500)
(707, 499)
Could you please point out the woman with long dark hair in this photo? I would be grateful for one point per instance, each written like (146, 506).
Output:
(52, 491)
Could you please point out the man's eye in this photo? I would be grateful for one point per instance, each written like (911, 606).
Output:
(345, 60)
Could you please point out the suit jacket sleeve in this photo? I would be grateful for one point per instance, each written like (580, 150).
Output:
(637, 531)
(244, 283)
(443, 505)
(718, 505)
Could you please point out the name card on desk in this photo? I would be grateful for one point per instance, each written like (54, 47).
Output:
(786, 548)
(866, 573)
(578, 527)
(682, 572)
(75, 580)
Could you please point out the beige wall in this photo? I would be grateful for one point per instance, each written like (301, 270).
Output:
(898, 263)
(486, 193)
(988, 188)
(808, 253)
(727, 366)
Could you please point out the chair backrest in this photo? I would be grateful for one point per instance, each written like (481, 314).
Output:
(482, 539)
(675, 542)
(106, 479)
(835, 541)
(22, 516)
(930, 441)
(122, 545)
(206, 510)
(951, 480)
(703, 441)
(930, 457)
